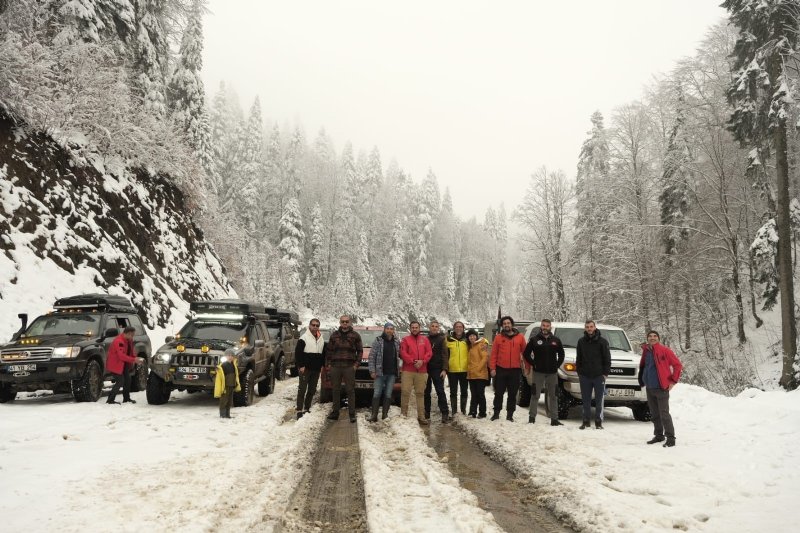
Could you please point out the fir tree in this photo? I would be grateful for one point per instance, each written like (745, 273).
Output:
(151, 55)
(292, 237)
(365, 290)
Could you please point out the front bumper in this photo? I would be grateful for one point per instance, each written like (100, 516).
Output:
(41, 374)
(619, 391)
(199, 377)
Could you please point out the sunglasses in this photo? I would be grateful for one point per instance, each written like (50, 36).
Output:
(314, 325)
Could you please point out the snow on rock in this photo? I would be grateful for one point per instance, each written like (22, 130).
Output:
(69, 228)
(406, 483)
(733, 469)
(175, 467)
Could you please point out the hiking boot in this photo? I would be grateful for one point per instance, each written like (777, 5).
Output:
(352, 419)
(531, 419)
(555, 422)
(375, 405)
(113, 403)
(128, 401)
(656, 438)
(585, 425)
(299, 414)
(333, 416)
(510, 417)
(670, 442)
(445, 418)
(482, 415)
(495, 416)
(423, 422)
(598, 424)
(387, 402)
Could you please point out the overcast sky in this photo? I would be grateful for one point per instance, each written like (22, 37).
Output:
(481, 92)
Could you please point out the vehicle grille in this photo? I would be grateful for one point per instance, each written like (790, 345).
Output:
(618, 371)
(184, 359)
(26, 354)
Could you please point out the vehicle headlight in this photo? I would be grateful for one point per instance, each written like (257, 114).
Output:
(67, 352)
(162, 357)
(570, 367)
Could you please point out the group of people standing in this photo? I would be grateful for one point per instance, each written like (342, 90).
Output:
(464, 358)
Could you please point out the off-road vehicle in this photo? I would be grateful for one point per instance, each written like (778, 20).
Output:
(622, 384)
(65, 350)
(188, 361)
(282, 326)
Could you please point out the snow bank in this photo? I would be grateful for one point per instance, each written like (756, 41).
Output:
(733, 469)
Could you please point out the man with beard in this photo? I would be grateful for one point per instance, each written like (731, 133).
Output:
(504, 366)
(341, 359)
(545, 354)
(437, 370)
(593, 363)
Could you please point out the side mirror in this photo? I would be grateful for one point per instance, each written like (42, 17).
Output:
(168, 339)
(260, 343)
(110, 332)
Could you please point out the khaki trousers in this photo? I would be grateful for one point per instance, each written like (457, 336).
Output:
(416, 381)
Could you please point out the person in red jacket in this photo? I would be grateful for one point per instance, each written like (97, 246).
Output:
(119, 362)
(659, 372)
(415, 351)
(504, 365)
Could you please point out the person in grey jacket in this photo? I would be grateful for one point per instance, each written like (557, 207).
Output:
(384, 368)
(593, 363)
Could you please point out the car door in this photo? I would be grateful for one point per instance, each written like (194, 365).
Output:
(260, 352)
(289, 344)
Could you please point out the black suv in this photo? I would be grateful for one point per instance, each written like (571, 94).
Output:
(188, 361)
(282, 327)
(65, 350)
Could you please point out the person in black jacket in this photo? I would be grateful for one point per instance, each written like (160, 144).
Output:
(593, 363)
(309, 356)
(545, 354)
(437, 370)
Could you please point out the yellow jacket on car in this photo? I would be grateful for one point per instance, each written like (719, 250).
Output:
(459, 354)
(219, 380)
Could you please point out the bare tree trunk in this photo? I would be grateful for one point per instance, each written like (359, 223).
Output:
(687, 315)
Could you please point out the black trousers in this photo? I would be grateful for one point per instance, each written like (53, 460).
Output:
(307, 388)
(435, 380)
(506, 380)
(338, 373)
(457, 380)
(477, 396)
(123, 380)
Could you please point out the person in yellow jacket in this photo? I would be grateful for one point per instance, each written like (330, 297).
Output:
(477, 373)
(457, 369)
(226, 382)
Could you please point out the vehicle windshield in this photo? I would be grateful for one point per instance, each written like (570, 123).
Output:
(616, 338)
(222, 330)
(72, 324)
(369, 336)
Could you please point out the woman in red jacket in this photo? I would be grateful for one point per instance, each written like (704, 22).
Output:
(119, 362)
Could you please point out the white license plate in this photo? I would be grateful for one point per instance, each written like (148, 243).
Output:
(192, 370)
(21, 368)
(621, 392)
(363, 385)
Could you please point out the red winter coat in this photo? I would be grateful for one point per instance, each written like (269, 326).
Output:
(119, 352)
(668, 366)
(413, 348)
(507, 350)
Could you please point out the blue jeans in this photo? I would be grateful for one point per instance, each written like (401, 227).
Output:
(588, 385)
(383, 386)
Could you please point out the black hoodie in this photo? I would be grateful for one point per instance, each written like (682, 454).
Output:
(593, 358)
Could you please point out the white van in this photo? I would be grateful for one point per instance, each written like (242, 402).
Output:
(622, 384)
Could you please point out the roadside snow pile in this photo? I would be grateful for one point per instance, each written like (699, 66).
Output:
(406, 487)
(69, 225)
(90, 467)
(734, 467)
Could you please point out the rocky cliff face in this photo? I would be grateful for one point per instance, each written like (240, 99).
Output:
(73, 223)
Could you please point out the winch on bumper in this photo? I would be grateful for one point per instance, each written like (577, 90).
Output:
(186, 370)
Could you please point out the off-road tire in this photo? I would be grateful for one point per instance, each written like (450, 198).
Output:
(7, 393)
(564, 402)
(158, 391)
(281, 368)
(244, 397)
(139, 377)
(89, 387)
(267, 385)
(641, 412)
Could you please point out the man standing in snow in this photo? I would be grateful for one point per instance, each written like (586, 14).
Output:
(659, 371)
(119, 362)
(504, 365)
(593, 364)
(544, 353)
(309, 356)
(437, 370)
(341, 360)
(415, 351)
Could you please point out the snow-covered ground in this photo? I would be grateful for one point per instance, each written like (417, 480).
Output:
(734, 469)
(177, 467)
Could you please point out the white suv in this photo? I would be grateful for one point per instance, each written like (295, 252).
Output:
(622, 384)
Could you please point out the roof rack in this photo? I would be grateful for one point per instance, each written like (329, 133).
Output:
(228, 306)
(107, 302)
(283, 315)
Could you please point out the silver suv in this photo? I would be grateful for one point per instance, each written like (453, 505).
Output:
(622, 384)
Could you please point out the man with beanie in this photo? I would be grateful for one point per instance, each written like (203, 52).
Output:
(593, 364)
(544, 353)
(226, 382)
(309, 356)
(384, 368)
(659, 371)
(437, 370)
(415, 351)
(341, 359)
(504, 365)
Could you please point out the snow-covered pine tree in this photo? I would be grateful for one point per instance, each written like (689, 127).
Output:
(762, 94)
(151, 53)
(428, 210)
(292, 239)
(450, 288)
(365, 281)
(249, 184)
(344, 295)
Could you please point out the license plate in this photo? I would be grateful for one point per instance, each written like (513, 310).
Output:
(190, 377)
(362, 385)
(621, 392)
(192, 370)
(21, 368)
